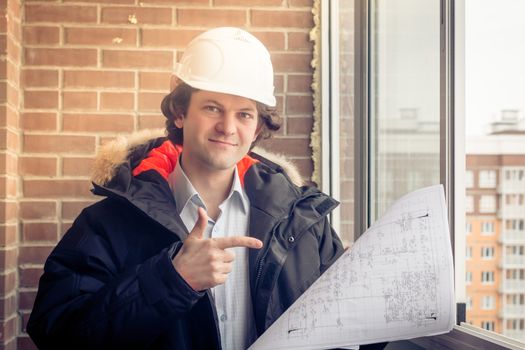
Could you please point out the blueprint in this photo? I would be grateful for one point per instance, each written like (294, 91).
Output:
(396, 282)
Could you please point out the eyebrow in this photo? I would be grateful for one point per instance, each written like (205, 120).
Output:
(252, 109)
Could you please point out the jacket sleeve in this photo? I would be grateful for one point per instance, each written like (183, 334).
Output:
(85, 300)
(330, 246)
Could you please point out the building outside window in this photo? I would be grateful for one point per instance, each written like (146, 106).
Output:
(468, 277)
(487, 204)
(487, 252)
(488, 325)
(487, 277)
(468, 253)
(487, 178)
(488, 302)
(487, 228)
(469, 179)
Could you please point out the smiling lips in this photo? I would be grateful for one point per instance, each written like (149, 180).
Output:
(225, 143)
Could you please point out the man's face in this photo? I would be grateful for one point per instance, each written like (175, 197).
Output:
(218, 130)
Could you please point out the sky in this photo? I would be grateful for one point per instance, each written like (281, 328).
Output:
(494, 61)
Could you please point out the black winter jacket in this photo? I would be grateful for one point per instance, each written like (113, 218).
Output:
(110, 283)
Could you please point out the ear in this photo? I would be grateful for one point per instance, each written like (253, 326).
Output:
(174, 81)
(179, 121)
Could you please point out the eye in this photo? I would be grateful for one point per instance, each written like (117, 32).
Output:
(246, 115)
(211, 108)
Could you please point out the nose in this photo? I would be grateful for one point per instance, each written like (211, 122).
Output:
(227, 124)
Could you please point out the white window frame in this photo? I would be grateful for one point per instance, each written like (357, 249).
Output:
(469, 179)
(487, 228)
(487, 252)
(487, 277)
(487, 204)
(488, 302)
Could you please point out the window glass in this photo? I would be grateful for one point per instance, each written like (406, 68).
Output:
(405, 99)
(487, 204)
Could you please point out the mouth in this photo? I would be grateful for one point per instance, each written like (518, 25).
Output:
(224, 143)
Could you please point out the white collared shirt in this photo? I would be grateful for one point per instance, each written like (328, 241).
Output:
(232, 299)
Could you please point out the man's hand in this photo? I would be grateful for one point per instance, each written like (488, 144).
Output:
(205, 263)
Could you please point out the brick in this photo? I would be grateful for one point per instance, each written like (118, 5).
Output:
(60, 57)
(8, 233)
(150, 100)
(154, 121)
(299, 126)
(41, 99)
(79, 100)
(77, 166)
(40, 35)
(117, 100)
(60, 13)
(8, 260)
(31, 121)
(40, 232)
(39, 78)
(26, 299)
(13, 95)
(8, 334)
(8, 187)
(301, 3)
(246, 3)
(299, 83)
(137, 59)
(101, 36)
(98, 122)
(38, 166)
(56, 188)
(142, 15)
(178, 2)
(13, 72)
(154, 81)
(66, 225)
(37, 210)
(70, 210)
(295, 147)
(8, 306)
(29, 276)
(59, 144)
(8, 140)
(299, 105)
(278, 82)
(292, 62)
(272, 40)
(109, 1)
(99, 79)
(7, 283)
(211, 18)
(173, 38)
(8, 164)
(287, 19)
(300, 42)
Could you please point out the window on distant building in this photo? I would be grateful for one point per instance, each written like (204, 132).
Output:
(488, 325)
(487, 227)
(516, 324)
(468, 253)
(487, 178)
(487, 252)
(468, 277)
(487, 277)
(488, 302)
(468, 227)
(487, 204)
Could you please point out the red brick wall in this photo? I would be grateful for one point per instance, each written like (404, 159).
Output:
(10, 62)
(89, 70)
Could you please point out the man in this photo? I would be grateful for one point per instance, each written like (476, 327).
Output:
(199, 244)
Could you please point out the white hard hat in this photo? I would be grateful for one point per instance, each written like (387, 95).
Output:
(228, 60)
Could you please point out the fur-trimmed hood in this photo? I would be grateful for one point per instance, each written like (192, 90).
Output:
(115, 152)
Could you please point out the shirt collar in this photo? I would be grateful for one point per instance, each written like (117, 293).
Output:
(184, 192)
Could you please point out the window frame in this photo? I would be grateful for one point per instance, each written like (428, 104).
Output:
(453, 131)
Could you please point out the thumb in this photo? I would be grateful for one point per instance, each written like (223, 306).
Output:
(200, 225)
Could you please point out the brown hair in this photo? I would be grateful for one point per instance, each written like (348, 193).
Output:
(176, 103)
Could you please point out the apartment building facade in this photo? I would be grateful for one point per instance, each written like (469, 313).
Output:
(495, 232)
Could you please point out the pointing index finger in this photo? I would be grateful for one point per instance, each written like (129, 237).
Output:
(238, 241)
